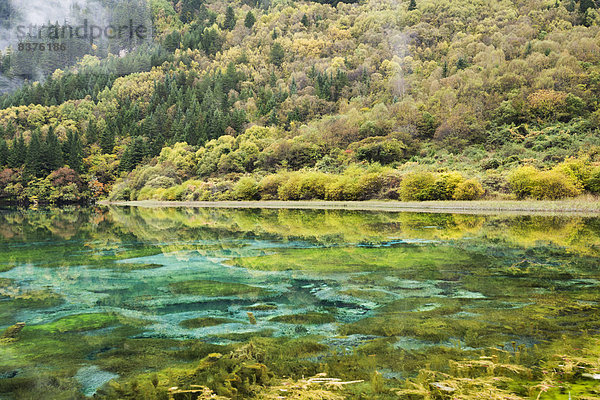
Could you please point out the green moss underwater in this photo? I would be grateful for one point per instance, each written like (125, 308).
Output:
(131, 303)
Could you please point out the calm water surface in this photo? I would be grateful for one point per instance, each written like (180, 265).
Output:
(117, 292)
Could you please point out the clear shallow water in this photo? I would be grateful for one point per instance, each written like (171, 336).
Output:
(114, 293)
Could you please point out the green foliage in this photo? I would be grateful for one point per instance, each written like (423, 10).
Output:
(382, 150)
(277, 54)
(469, 189)
(336, 97)
(304, 186)
(230, 19)
(4, 153)
(356, 184)
(270, 184)
(305, 319)
(215, 289)
(593, 182)
(246, 189)
(250, 20)
(528, 182)
(422, 186)
(417, 186)
(73, 152)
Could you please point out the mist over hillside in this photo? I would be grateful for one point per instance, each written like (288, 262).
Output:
(43, 36)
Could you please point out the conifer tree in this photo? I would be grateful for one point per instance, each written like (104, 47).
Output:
(4, 153)
(91, 133)
(33, 160)
(107, 140)
(412, 5)
(230, 21)
(277, 54)
(73, 152)
(304, 20)
(52, 157)
(18, 152)
(584, 5)
(133, 155)
(250, 20)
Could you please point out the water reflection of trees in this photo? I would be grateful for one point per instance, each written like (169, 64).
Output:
(573, 232)
(171, 228)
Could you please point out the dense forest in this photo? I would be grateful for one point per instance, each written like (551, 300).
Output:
(291, 100)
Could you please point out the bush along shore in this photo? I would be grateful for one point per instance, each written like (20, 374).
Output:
(173, 177)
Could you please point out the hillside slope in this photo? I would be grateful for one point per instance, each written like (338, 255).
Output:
(416, 100)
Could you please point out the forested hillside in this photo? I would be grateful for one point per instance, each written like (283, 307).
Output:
(413, 100)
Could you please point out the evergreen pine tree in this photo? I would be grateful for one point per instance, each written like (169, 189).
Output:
(125, 163)
(412, 5)
(277, 54)
(10, 130)
(91, 133)
(584, 5)
(4, 153)
(229, 22)
(250, 20)
(304, 20)
(52, 156)
(18, 152)
(73, 152)
(134, 154)
(293, 86)
(33, 160)
(231, 78)
(107, 140)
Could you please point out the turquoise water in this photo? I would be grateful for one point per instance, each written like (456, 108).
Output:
(115, 293)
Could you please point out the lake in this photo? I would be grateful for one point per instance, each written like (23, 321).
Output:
(123, 302)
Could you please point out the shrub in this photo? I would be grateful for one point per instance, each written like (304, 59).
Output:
(547, 104)
(592, 184)
(381, 151)
(468, 190)
(160, 182)
(390, 185)
(529, 182)
(269, 185)
(342, 187)
(356, 184)
(444, 186)
(246, 189)
(417, 186)
(554, 185)
(147, 193)
(575, 168)
(522, 181)
(174, 193)
(304, 186)
(65, 176)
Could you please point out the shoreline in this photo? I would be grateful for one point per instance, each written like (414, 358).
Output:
(537, 207)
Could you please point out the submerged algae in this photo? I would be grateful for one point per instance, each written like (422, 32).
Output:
(216, 289)
(443, 295)
(205, 322)
(305, 319)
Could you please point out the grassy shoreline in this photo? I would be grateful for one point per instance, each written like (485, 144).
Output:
(584, 205)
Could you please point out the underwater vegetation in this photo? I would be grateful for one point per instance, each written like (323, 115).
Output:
(215, 289)
(230, 304)
(308, 318)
